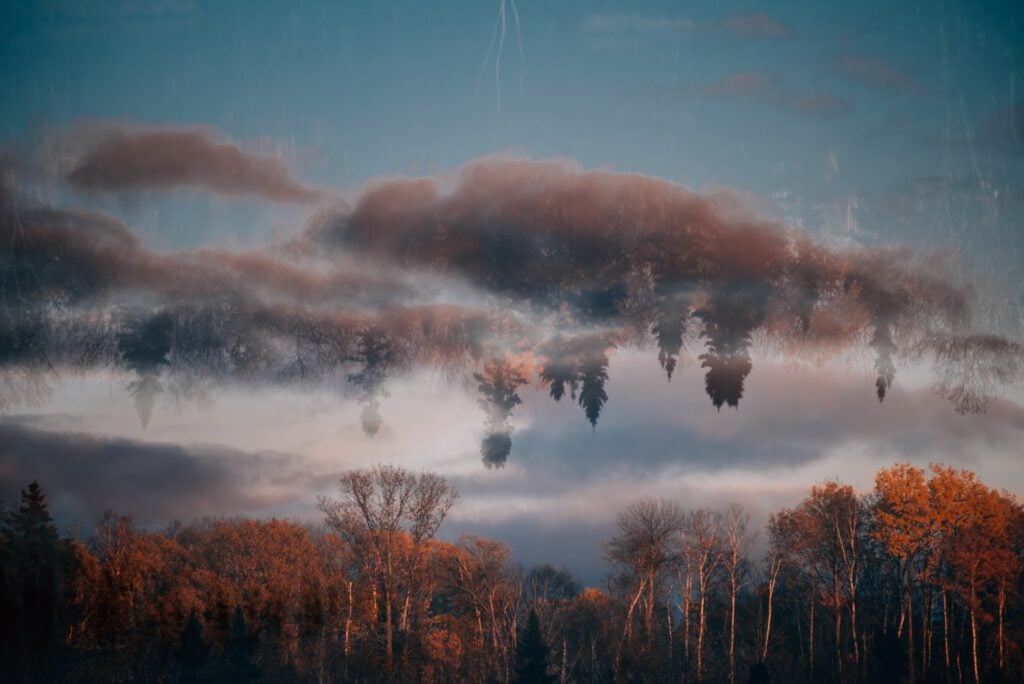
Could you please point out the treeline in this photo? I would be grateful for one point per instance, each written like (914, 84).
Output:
(917, 581)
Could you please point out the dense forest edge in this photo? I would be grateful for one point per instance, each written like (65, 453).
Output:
(918, 580)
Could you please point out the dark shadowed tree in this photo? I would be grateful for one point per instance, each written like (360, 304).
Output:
(881, 342)
(532, 654)
(593, 375)
(35, 600)
(730, 317)
(195, 652)
(498, 385)
(759, 674)
(376, 355)
(548, 583)
(144, 344)
(669, 327)
(560, 367)
(239, 655)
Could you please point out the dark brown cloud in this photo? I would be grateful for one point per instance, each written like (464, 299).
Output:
(163, 160)
(548, 232)
(508, 272)
(609, 247)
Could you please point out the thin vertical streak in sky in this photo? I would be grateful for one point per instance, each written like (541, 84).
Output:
(519, 41)
(498, 35)
(497, 57)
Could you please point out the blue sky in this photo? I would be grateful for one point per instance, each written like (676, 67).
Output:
(919, 97)
(864, 124)
(367, 88)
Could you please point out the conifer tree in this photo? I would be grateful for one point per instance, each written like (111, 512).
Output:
(532, 654)
(37, 564)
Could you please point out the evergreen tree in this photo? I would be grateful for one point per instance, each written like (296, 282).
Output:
(194, 651)
(532, 654)
(239, 652)
(37, 564)
(593, 375)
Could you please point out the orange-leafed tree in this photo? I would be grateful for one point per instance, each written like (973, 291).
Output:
(908, 528)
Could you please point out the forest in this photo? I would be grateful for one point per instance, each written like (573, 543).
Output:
(917, 580)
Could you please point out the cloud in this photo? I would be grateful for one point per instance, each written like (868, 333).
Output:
(792, 418)
(757, 24)
(504, 273)
(826, 103)
(607, 246)
(120, 161)
(635, 23)
(799, 425)
(874, 72)
(154, 482)
(765, 88)
(77, 255)
(751, 84)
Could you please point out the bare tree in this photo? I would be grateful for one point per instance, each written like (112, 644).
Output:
(735, 550)
(703, 553)
(772, 567)
(646, 544)
(380, 508)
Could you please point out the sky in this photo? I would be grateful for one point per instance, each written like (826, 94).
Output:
(749, 248)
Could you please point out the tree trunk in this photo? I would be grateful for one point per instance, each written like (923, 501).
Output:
(389, 637)
(649, 622)
(348, 626)
(945, 626)
(853, 619)
(686, 617)
(910, 631)
(627, 630)
(838, 620)
(768, 621)
(732, 628)
(810, 634)
(926, 632)
(668, 621)
(700, 635)
(1002, 611)
(974, 642)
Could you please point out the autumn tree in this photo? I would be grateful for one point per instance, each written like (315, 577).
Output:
(386, 514)
(837, 514)
(930, 560)
(486, 588)
(905, 523)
